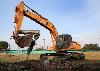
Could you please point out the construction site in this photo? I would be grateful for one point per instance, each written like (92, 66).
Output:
(63, 54)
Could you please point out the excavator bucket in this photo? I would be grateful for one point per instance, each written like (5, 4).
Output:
(25, 37)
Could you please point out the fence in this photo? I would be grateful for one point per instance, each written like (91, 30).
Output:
(17, 52)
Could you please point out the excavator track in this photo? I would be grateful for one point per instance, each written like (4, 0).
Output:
(61, 57)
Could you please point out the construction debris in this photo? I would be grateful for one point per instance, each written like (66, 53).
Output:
(30, 47)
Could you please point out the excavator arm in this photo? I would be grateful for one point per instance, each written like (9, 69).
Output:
(21, 11)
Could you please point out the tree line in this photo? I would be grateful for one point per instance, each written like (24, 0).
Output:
(86, 47)
(91, 47)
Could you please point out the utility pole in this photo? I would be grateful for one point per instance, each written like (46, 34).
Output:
(44, 43)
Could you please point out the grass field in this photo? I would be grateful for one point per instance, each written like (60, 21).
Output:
(13, 58)
(92, 55)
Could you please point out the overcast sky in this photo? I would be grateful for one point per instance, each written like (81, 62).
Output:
(79, 18)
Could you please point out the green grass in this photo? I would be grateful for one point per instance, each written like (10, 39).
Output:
(2, 60)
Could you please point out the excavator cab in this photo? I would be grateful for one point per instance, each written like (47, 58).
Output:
(63, 41)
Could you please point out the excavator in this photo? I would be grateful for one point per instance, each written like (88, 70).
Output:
(60, 43)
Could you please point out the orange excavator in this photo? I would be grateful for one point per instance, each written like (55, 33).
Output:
(61, 43)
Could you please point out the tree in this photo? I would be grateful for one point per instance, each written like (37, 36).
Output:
(91, 47)
(4, 45)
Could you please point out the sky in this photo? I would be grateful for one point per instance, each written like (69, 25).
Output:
(79, 18)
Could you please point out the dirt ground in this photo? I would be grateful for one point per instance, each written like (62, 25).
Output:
(20, 63)
(16, 58)
(33, 65)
